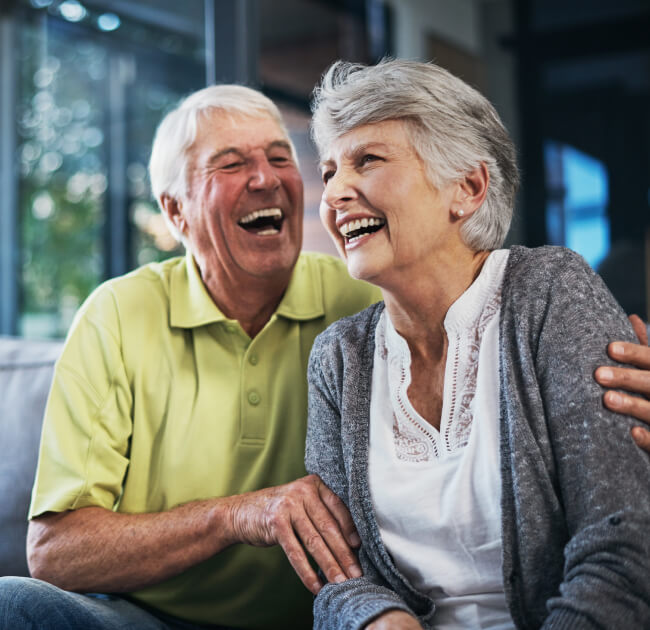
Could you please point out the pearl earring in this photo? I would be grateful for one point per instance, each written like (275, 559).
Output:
(461, 213)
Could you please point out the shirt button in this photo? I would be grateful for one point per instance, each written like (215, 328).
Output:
(253, 359)
(231, 328)
(254, 398)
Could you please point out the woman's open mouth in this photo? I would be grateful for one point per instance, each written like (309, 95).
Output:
(357, 228)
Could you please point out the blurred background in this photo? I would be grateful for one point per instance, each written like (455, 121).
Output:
(83, 84)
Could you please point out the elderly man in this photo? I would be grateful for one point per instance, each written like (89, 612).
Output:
(176, 422)
(179, 403)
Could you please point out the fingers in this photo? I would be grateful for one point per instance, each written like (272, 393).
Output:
(298, 559)
(335, 551)
(642, 438)
(632, 406)
(628, 405)
(321, 532)
(631, 380)
(632, 353)
(640, 329)
(340, 513)
(306, 515)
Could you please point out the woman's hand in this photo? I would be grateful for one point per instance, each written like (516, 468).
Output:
(395, 620)
(634, 379)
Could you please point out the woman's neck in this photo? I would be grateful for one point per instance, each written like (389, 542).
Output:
(418, 307)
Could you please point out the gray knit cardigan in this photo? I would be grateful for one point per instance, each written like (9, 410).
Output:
(575, 493)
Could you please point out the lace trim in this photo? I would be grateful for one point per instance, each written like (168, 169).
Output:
(462, 422)
(413, 441)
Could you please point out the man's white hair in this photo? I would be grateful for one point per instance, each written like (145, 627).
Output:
(177, 131)
(452, 127)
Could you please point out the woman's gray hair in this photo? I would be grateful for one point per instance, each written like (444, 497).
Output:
(453, 128)
(177, 131)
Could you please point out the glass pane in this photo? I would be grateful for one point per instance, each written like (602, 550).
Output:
(63, 175)
(93, 85)
(578, 195)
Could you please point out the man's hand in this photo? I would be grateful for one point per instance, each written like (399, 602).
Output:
(97, 550)
(395, 620)
(301, 513)
(636, 379)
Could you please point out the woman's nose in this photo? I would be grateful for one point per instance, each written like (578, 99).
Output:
(339, 189)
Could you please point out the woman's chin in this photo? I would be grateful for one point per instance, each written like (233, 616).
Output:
(361, 270)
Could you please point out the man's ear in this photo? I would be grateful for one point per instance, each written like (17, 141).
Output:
(173, 208)
(471, 191)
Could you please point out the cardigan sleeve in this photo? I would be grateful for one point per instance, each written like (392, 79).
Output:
(352, 604)
(601, 477)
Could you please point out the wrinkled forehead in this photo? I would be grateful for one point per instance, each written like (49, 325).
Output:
(219, 129)
(391, 135)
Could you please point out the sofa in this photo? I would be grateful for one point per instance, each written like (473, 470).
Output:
(25, 374)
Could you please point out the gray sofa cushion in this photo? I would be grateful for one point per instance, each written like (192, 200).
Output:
(25, 374)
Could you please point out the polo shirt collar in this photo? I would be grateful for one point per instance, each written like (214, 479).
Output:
(303, 299)
(192, 306)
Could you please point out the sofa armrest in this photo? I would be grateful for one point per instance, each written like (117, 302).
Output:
(26, 368)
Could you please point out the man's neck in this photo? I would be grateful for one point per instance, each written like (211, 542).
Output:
(251, 303)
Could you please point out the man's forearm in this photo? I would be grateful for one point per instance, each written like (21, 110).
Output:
(94, 549)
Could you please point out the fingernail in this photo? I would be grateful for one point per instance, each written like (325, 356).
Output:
(354, 539)
(315, 587)
(614, 399)
(340, 578)
(605, 374)
(355, 571)
(618, 348)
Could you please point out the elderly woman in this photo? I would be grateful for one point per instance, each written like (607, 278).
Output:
(459, 419)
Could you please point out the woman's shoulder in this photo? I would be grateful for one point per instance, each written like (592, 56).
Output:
(351, 333)
(536, 271)
(546, 260)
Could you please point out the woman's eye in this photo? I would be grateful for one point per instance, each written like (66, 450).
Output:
(327, 175)
(368, 158)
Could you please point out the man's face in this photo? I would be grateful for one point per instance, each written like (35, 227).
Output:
(242, 214)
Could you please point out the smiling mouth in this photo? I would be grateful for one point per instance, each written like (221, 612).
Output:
(354, 230)
(265, 222)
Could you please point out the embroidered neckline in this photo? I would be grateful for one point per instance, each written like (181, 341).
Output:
(414, 439)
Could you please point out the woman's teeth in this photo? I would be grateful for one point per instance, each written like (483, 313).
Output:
(352, 230)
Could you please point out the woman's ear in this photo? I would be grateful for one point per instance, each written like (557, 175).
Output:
(471, 191)
(173, 208)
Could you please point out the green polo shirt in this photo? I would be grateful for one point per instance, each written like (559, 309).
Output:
(159, 399)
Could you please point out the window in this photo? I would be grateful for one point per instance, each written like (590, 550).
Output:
(91, 88)
(577, 198)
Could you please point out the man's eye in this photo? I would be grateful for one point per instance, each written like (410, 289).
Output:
(231, 165)
(279, 159)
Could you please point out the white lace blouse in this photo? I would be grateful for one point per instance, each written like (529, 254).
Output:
(437, 493)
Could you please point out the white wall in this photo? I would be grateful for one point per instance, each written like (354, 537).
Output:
(457, 21)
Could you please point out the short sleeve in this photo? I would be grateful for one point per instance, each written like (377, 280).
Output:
(84, 447)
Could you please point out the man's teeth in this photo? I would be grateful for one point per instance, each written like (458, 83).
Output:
(358, 224)
(274, 213)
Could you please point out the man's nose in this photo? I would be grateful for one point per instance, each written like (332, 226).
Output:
(263, 176)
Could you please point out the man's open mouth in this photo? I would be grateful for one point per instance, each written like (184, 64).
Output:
(353, 230)
(263, 222)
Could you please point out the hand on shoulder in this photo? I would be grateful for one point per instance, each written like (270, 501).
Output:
(634, 379)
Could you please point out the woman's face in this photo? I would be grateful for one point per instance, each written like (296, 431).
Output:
(383, 214)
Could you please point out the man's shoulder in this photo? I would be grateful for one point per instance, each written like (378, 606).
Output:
(137, 291)
(342, 295)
